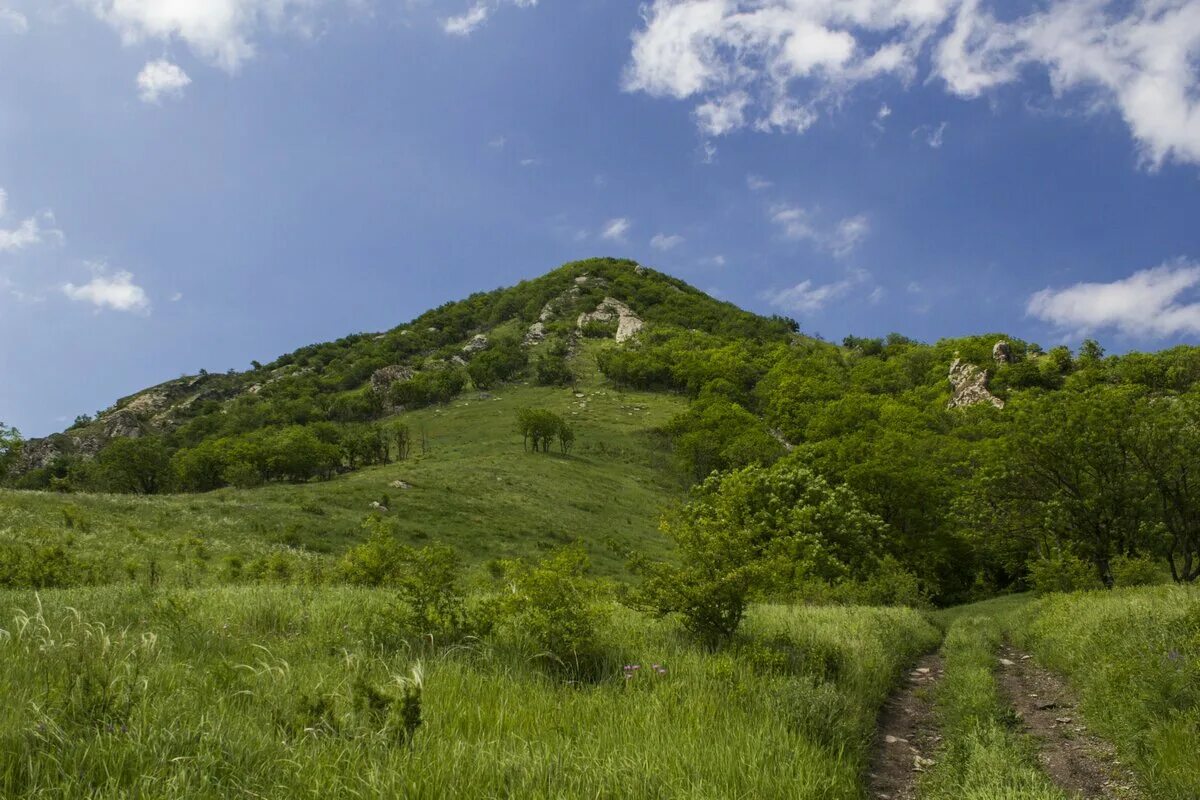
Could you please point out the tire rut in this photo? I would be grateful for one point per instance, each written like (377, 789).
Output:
(1078, 762)
(906, 736)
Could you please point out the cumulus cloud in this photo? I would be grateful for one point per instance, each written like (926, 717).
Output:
(664, 242)
(1155, 302)
(13, 21)
(117, 292)
(28, 232)
(777, 65)
(797, 223)
(615, 229)
(473, 18)
(221, 32)
(809, 297)
(159, 79)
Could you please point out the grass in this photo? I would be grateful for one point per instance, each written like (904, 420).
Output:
(258, 691)
(475, 489)
(1133, 656)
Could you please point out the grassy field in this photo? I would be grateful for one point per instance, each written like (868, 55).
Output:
(275, 692)
(1134, 657)
(474, 489)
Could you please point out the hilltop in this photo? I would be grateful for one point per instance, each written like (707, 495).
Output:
(645, 387)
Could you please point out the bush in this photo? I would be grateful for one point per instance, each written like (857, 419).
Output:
(554, 607)
(426, 579)
(1141, 570)
(1062, 571)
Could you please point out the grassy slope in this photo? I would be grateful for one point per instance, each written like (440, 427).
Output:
(475, 490)
(218, 692)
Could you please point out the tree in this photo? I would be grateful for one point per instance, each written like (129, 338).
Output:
(1165, 440)
(539, 428)
(1067, 477)
(139, 466)
(750, 531)
(10, 447)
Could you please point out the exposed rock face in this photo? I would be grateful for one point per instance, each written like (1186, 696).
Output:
(628, 323)
(536, 334)
(123, 424)
(36, 454)
(1002, 353)
(383, 378)
(970, 386)
(477, 344)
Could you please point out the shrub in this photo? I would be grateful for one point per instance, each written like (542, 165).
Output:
(1062, 571)
(1141, 570)
(554, 607)
(426, 579)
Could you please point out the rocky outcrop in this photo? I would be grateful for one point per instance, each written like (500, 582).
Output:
(1002, 353)
(536, 334)
(970, 384)
(478, 344)
(628, 323)
(123, 424)
(383, 378)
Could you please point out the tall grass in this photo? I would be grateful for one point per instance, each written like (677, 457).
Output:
(1133, 656)
(289, 692)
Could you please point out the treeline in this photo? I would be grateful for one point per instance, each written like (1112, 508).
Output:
(294, 453)
(1086, 468)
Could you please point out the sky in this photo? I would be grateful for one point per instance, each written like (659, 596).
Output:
(190, 184)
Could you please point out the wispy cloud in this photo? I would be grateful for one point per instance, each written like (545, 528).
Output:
(664, 242)
(809, 297)
(757, 183)
(615, 229)
(28, 232)
(797, 223)
(473, 18)
(1151, 303)
(12, 21)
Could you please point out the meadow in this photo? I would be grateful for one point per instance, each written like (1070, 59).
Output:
(291, 692)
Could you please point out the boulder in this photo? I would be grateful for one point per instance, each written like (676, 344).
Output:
(628, 323)
(478, 343)
(1002, 353)
(383, 378)
(536, 334)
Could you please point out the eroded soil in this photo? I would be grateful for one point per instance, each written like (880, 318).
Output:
(1082, 764)
(906, 737)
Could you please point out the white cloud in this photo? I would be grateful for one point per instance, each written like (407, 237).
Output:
(1149, 303)
(472, 19)
(848, 234)
(777, 65)
(615, 229)
(498, 143)
(465, 24)
(176, 297)
(159, 79)
(664, 242)
(13, 21)
(28, 232)
(221, 32)
(714, 261)
(530, 162)
(757, 183)
(883, 113)
(117, 292)
(797, 223)
(936, 136)
(809, 297)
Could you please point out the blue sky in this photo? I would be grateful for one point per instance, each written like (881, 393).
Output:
(199, 183)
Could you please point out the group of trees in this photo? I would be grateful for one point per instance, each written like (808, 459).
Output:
(539, 430)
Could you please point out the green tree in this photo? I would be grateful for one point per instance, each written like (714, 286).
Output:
(10, 447)
(135, 465)
(752, 531)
